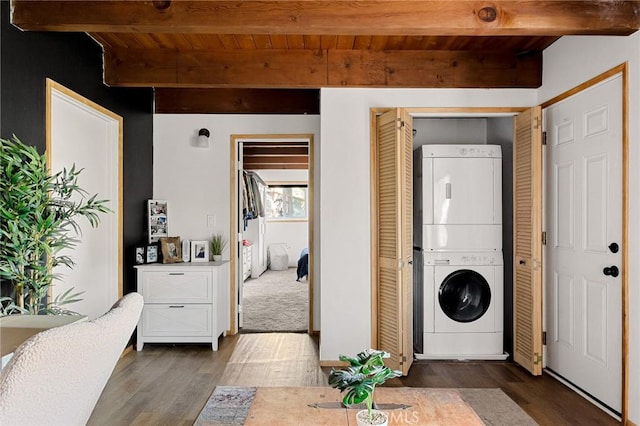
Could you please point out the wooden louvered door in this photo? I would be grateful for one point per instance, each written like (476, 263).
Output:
(393, 165)
(527, 231)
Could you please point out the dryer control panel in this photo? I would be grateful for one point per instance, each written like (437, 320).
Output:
(453, 258)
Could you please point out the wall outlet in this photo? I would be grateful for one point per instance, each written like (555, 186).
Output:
(211, 221)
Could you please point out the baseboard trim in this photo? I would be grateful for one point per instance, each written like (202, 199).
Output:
(476, 357)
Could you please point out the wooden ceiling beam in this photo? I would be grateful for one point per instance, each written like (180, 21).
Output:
(321, 17)
(315, 69)
(215, 68)
(237, 101)
(282, 159)
(275, 166)
(275, 151)
(278, 144)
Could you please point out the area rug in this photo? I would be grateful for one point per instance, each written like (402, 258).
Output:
(232, 406)
(275, 302)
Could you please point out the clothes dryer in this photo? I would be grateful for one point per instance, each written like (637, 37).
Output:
(460, 197)
(463, 305)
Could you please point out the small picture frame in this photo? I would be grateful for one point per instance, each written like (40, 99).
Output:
(141, 255)
(171, 249)
(157, 218)
(151, 253)
(200, 251)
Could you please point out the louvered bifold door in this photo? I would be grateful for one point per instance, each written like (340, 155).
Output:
(394, 209)
(527, 232)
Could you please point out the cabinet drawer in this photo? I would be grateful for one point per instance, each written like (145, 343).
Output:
(176, 320)
(176, 287)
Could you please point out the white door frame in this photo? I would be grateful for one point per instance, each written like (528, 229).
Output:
(235, 140)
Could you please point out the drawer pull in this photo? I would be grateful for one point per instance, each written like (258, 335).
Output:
(176, 306)
(176, 273)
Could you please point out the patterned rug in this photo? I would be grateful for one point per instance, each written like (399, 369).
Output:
(229, 406)
(275, 302)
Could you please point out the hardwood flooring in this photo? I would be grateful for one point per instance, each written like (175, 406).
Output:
(169, 384)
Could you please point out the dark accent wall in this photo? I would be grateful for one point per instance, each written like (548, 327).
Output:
(75, 61)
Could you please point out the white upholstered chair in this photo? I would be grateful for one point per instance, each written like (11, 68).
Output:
(56, 376)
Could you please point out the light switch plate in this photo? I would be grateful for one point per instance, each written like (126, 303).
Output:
(211, 221)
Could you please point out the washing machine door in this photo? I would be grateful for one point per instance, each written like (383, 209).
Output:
(464, 296)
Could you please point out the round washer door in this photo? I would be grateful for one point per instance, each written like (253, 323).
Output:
(464, 295)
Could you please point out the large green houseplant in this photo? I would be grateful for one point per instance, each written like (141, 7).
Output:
(39, 214)
(359, 380)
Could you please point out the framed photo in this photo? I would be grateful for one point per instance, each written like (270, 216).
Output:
(171, 249)
(157, 218)
(141, 255)
(200, 251)
(152, 253)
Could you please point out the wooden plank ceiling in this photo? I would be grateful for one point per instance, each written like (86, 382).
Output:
(272, 56)
(275, 155)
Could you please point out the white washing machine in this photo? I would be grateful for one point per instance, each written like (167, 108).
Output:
(463, 305)
(460, 197)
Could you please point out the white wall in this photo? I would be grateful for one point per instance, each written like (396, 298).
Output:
(284, 176)
(449, 131)
(567, 63)
(293, 233)
(344, 183)
(196, 181)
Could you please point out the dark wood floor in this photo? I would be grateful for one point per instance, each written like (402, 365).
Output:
(169, 385)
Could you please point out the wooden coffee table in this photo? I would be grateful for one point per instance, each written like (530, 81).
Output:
(297, 406)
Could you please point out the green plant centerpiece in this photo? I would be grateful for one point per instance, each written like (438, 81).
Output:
(218, 243)
(38, 219)
(359, 380)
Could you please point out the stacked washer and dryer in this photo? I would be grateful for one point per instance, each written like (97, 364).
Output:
(458, 213)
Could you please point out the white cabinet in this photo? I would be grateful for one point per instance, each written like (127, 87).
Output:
(255, 232)
(247, 262)
(183, 303)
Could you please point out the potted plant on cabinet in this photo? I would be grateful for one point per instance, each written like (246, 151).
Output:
(359, 381)
(38, 219)
(218, 243)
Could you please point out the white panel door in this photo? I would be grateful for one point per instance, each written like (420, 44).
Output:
(584, 218)
(463, 191)
(88, 137)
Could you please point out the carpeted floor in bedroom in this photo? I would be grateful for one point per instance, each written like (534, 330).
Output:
(275, 302)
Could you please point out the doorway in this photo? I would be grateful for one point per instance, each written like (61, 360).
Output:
(392, 228)
(265, 285)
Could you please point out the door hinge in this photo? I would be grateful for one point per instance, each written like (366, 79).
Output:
(403, 359)
(544, 238)
(544, 338)
(536, 122)
(400, 123)
(537, 358)
(544, 138)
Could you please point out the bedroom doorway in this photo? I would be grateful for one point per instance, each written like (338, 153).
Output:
(272, 215)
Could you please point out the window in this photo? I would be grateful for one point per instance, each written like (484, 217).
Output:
(286, 202)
